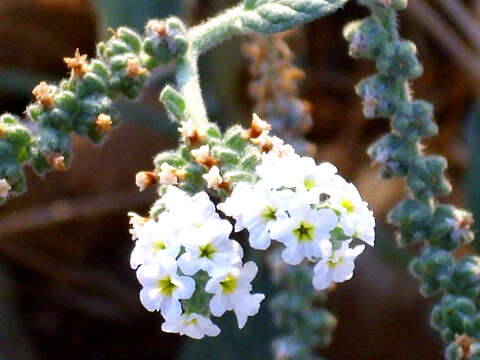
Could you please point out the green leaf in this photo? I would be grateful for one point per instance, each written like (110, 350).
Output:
(271, 16)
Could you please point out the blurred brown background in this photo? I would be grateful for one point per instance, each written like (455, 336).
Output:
(67, 290)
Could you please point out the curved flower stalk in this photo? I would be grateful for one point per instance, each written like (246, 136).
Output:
(296, 307)
(82, 104)
(419, 218)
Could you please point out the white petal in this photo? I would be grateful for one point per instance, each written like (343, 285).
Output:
(218, 304)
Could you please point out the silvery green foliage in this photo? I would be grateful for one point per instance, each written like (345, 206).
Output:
(271, 16)
(419, 218)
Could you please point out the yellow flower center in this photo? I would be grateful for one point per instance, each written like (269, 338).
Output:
(348, 205)
(309, 184)
(269, 213)
(304, 232)
(159, 245)
(229, 284)
(166, 286)
(207, 251)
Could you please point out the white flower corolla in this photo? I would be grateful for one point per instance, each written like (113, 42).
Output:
(208, 248)
(277, 172)
(188, 211)
(356, 219)
(162, 287)
(232, 292)
(167, 175)
(213, 178)
(155, 238)
(194, 325)
(233, 207)
(305, 233)
(137, 222)
(313, 180)
(338, 267)
(264, 206)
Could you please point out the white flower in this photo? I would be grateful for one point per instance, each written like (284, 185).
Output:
(234, 208)
(264, 206)
(144, 179)
(155, 238)
(188, 210)
(232, 292)
(279, 148)
(356, 219)
(194, 325)
(4, 188)
(306, 233)
(277, 172)
(162, 287)
(338, 267)
(208, 248)
(167, 175)
(213, 178)
(137, 223)
(202, 154)
(313, 180)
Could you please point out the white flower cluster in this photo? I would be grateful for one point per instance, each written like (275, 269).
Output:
(188, 242)
(313, 211)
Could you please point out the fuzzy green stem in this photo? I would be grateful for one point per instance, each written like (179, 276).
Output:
(216, 30)
(188, 82)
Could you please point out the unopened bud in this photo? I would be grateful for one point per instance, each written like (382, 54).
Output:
(167, 175)
(4, 188)
(202, 156)
(134, 69)
(42, 94)
(145, 179)
(103, 123)
(215, 180)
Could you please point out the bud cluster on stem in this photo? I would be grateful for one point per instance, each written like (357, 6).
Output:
(419, 218)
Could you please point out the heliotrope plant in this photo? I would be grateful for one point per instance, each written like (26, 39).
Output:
(219, 182)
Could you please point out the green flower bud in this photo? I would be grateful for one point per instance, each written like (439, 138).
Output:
(426, 177)
(366, 38)
(100, 69)
(451, 228)
(234, 140)
(131, 38)
(66, 101)
(465, 279)
(454, 315)
(399, 59)
(235, 176)
(213, 132)
(227, 157)
(458, 350)
(57, 119)
(172, 158)
(414, 120)
(51, 143)
(91, 84)
(250, 160)
(413, 219)
(393, 154)
(433, 268)
(379, 97)
(165, 40)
